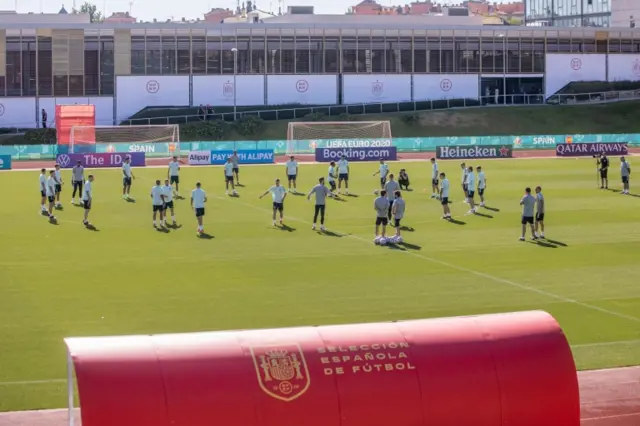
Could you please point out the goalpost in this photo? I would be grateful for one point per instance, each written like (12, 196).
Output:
(155, 140)
(304, 137)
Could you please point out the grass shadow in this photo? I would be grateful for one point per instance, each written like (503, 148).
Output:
(557, 243)
(543, 244)
(493, 209)
(328, 233)
(487, 216)
(455, 221)
(410, 246)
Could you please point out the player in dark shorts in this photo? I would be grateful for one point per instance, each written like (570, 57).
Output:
(603, 162)
(403, 180)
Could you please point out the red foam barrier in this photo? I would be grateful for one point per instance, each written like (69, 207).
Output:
(508, 369)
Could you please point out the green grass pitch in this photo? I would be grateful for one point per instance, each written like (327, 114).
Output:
(62, 280)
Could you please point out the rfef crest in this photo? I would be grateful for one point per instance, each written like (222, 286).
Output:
(636, 67)
(377, 88)
(302, 86)
(446, 85)
(153, 86)
(227, 89)
(281, 370)
(1, 110)
(576, 64)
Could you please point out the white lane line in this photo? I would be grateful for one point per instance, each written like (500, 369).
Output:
(476, 273)
(616, 416)
(33, 382)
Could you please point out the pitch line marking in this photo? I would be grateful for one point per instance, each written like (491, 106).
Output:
(477, 273)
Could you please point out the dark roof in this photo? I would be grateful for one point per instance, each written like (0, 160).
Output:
(63, 11)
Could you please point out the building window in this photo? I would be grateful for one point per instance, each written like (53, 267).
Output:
(91, 66)
(45, 67)
(168, 58)
(302, 56)
(214, 59)
(106, 66)
(199, 55)
(14, 67)
(258, 62)
(331, 55)
(153, 56)
(184, 55)
(138, 55)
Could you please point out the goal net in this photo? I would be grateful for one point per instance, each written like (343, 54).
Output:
(156, 141)
(305, 137)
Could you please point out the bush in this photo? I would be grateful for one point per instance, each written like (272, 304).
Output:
(345, 116)
(40, 137)
(249, 125)
(315, 116)
(205, 131)
(410, 118)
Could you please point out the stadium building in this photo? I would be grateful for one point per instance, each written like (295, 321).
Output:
(292, 59)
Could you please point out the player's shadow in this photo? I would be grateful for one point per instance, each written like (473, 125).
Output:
(328, 233)
(487, 216)
(410, 246)
(396, 246)
(130, 200)
(351, 195)
(556, 243)
(407, 228)
(78, 205)
(297, 194)
(174, 227)
(456, 222)
(286, 228)
(180, 197)
(240, 185)
(541, 243)
(205, 236)
(90, 227)
(53, 222)
(236, 195)
(162, 229)
(493, 209)
(59, 208)
(407, 189)
(337, 198)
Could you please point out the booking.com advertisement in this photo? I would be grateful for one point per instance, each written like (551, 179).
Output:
(326, 155)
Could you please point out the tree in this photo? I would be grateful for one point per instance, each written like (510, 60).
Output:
(91, 10)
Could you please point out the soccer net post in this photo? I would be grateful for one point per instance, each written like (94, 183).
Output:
(155, 140)
(304, 137)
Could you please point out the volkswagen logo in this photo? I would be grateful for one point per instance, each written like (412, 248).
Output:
(64, 160)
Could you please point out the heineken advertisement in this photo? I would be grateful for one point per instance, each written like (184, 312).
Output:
(425, 144)
(473, 151)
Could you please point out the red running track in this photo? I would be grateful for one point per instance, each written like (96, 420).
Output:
(607, 398)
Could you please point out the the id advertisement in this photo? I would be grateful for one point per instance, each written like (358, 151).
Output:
(255, 156)
(326, 155)
(591, 149)
(5, 162)
(473, 151)
(199, 158)
(115, 159)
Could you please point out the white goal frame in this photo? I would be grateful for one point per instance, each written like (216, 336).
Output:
(326, 131)
(149, 135)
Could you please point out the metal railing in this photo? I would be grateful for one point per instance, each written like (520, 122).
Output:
(378, 108)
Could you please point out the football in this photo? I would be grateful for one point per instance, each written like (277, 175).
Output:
(383, 241)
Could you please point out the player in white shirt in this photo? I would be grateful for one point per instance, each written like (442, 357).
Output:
(157, 199)
(198, 198)
(321, 192)
(43, 191)
(278, 194)
(51, 194)
(464, 181)
(343, 174)
(228, 176)
(58, 177)
(127, 178)
(482, 184)
(435, 174)
(173, 174)
(444, 195)
(168, 202)
(292, 173)
(87, 198)
(383, 171)
(332, 175)
(471, 189)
